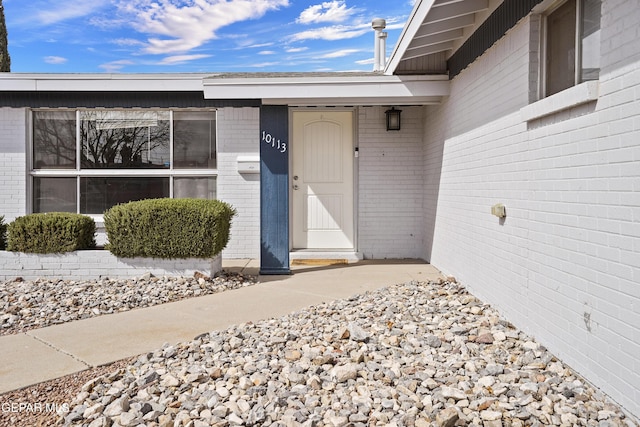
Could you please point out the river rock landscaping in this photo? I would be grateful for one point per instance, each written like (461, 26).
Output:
(26, 305)
(416, 354)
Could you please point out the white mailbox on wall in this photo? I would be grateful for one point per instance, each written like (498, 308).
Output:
(248, 164)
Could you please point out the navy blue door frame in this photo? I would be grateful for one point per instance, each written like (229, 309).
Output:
(274, 189)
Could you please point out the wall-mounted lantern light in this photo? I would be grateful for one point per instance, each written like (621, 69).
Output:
(393, 119)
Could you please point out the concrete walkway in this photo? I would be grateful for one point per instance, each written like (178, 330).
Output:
(52, 352)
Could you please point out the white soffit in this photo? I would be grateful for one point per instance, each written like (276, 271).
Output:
(434, 26)
(361, 90)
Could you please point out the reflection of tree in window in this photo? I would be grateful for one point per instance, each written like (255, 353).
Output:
(124, 139)
(98, 194)
(54, 139)
(194, 139)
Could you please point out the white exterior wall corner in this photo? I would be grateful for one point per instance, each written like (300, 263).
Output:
(238, 135)
(13, 166)
(564, 264)
(390, 197)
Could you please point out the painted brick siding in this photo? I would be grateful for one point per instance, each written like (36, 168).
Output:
(96, 264)
(390, 184)
(238, 135)
(565, 263)
(12, 162)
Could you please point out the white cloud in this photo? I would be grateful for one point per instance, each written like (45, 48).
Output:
(264, 64)
(330, 11)
(297, 49)
(65, 10)
(369, 61)
(181, 59)
(267, 52)
(335, 32)
(340, 53)
(108, 22)
(56, 60)
(115, 66)
(254, 46)
(394, 26)
(180, 28)
(128, 42)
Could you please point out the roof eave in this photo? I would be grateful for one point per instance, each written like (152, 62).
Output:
(77, 82)
(416, 18)
(374, 90)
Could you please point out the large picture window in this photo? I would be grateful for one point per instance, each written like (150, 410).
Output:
(572, 44)
(87, 161)
(125, 139)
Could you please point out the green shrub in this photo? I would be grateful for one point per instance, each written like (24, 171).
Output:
(3, 234)
(54, 232)
(168, 228)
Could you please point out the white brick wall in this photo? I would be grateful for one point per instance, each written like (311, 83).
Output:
(564, 265)
(389, 183)
(13, 170)
(390, 198)
(238, 135)
(96, 264)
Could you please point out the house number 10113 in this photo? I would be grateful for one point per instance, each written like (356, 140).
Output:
(275, 143)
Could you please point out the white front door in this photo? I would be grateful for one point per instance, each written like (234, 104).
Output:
(322, 180)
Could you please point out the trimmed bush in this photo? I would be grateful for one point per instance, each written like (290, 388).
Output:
(54, 232)
(3, 234)
(168, 228)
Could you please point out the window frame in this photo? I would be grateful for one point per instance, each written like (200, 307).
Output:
(78, 172)
(577, 77)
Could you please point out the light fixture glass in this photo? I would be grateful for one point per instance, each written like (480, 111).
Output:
(393, 119)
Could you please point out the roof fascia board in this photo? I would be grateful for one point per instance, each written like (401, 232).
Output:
(326, 79)
(417, 17)
(101, 82)
(376, 90)
(326, 90)
(350, 102)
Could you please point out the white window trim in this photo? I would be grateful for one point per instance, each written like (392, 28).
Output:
(549, 8)
(167, 173)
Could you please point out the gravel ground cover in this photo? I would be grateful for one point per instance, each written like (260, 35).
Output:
(416, 354)
(47, 397)
(26, 305)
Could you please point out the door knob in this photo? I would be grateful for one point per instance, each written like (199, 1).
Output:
(295, 187)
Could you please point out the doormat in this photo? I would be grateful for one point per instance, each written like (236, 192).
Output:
(319, 262)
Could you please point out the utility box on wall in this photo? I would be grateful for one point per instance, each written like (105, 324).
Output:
(499, 210)
(248, 164)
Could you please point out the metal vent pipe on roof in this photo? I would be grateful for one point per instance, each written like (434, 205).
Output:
(380, 47)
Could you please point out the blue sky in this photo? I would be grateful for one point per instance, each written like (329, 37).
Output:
(197, 35)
